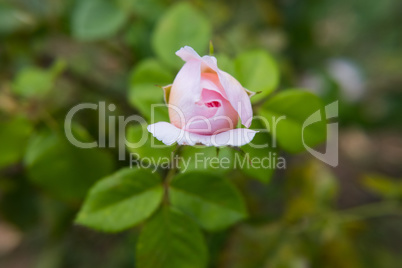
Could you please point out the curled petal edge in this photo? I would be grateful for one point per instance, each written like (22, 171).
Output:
(169, 134)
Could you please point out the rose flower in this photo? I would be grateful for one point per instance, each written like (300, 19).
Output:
(205, 105)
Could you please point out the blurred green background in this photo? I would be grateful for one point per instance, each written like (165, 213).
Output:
(55, 54)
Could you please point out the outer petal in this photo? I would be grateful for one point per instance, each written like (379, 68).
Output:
(238, 96)
(187, 53)
(187, 82)
(185, 91)
(169, 134)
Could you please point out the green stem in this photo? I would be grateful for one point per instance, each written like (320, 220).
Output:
(371, 210)
(170, 175)
(50, 121)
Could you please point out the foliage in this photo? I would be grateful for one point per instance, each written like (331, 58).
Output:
(182, 238)
(111, 198)
(101, 207)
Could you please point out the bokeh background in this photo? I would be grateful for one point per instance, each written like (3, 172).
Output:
(55, 54)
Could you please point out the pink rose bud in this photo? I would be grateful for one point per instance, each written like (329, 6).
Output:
(205, 105)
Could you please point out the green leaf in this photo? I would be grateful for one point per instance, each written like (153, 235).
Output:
(96, 19)
(206, 158)
(171, 240)
(210, 199)
(143, 97)
(260, 158)
(65, 171)
(151, 71)
(145, 89)
(121, 200)
(225, 63)
(296, 106)
(14, 133)
(11, 19)
(33, 82)
(146, 146)
(182, 25)
(257, 71)
(148, 11)
(16, 196)
(138, 38)
(259, 241)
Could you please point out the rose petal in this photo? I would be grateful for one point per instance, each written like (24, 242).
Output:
(187, 82)
(169, 134)
(235, 93)
(218, 115)
(185, 92)
(187, 53)
(211, 81)
(237, 96)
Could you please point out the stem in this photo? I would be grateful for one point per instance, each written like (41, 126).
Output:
(371, 210)
(50, 121)
(170, 175)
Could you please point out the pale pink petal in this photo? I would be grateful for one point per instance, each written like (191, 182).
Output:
(211, 82)
(209, 103)
(187, 82)
(237, 96)
(185, 92)
(190, 110)
(187, 53)
(211, 62)
(217, 113)
(169, 134)
(165, 132)
(228, 86)
(234, 137)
